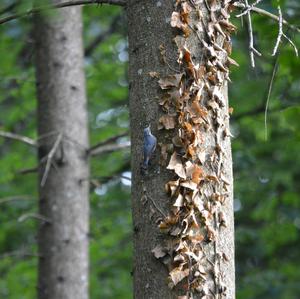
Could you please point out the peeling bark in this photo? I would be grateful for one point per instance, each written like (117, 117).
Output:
(150, 34)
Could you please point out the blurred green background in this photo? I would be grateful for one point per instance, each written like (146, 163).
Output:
(267, 173)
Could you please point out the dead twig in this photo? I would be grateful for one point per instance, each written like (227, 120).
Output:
(50, 157)
(107, 141)
(39, 9)
(14, 198)
(280, 32)
(268, 14)
(35, 216)
(8, 8)
(275, 68)
(249, 8)
(18, 137)
(292, 44)
(27, 170)
(102, 36)
(18, 253)
(107, 148)
(146, 197)
(252, 50)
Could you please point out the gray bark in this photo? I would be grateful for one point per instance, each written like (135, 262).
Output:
(149, 27)
(63, 143)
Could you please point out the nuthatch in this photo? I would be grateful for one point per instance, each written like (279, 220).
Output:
(149, 146)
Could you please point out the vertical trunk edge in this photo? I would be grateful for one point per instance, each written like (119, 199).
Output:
(150, 34)
(63, 163)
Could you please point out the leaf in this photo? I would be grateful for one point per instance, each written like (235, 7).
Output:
(227, 46)
(170, 81)
(219, 29)
(197, 174)
(177, 141)
(176, 20)
(213, 104)
(186, 8)
(224, 180)
(212, 178)
(179, 201)
(172, 186)
(167, 121)
(198, 110)
(177, 275)
(175, 231)
(154, 74)
(197, 258)
(197, 238)
(188, 127)
(179, 258)
(190, 185)
(168, 222)
(187, 55)
(181, 246)
(232, 61)
(227, 25)
(176, 165)
(158, 251)
(201, 156)
(191, 150)
(210, 233)
(194, 172)
(222, 219)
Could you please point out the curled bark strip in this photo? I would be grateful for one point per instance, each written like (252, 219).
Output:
(196, 110)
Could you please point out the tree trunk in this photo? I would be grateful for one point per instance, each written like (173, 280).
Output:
(153, 55)
(64, 166)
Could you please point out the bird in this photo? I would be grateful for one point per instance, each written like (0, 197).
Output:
(150, 142)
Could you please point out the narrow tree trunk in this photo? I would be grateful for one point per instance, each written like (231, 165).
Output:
(64, 167)
(153, 55)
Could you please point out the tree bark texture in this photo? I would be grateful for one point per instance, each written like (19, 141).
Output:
(63, 162)
(150, 32)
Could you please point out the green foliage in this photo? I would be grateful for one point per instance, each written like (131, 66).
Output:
(267, 200)
(111, 247)
(266, 172)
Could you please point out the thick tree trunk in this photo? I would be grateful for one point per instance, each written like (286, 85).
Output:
(150, 35)
(64, 166)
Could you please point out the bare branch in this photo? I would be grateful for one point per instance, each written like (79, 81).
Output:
(107, 141)
(98, 181)
(269, 15)
(102, 36)
(8, 8)
(146, 197)
(280, 32)
(252, 50)
(14, 136)
(291, 42)
(269, 95)
(27, 170)
(18, 253)
(50, 157)
(248, 9)
(107, 148)
(35, 216)
(13, 198)
(39, 9)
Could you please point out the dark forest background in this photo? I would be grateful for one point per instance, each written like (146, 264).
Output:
(267, 172)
